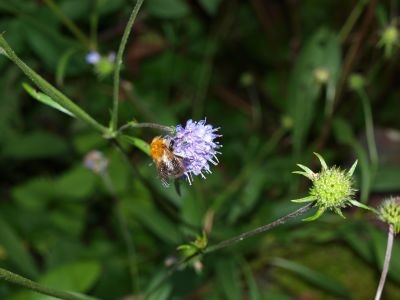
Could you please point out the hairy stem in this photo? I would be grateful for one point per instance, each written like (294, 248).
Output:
(351, 20)
(147, 125)
(29, 284)
(230, 242)
(258, 230)
(386, 264)
(118, 63)
(49, 89)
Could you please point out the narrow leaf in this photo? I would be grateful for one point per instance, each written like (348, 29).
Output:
(359, 204)
(305, 199)
(45, 99)
(316, 216)
(353, 167)
(138, 143)
(321, 159)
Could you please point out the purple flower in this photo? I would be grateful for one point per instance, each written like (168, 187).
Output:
(93, 57)
(196, 144)
(96, 162)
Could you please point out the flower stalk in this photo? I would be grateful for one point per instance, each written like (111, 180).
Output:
(118, 63)
(49, 89)
(34, 286)
(386, 263)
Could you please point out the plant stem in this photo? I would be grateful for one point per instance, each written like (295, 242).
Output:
(386, 264)
(29, 284)
(369, 127)
(69, 24)
(50, 90)
(230, 242)
(118, 63)
(351, 20)
(146, 125)
(258, 230)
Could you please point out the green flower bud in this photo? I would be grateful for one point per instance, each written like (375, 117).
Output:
(332, 189)
(389, 40)
(191, 252)
(356, 82)
(389, 212)
(321, 75)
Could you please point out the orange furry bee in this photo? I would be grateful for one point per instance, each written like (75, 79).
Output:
(169, 165)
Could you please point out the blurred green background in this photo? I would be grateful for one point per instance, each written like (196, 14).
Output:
(274, 75)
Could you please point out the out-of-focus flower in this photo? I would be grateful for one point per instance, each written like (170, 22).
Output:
(332, 189)
(103, 65)
(96, 162)
(93, 57)
(389, 40)
(196, 144)
(389, 212)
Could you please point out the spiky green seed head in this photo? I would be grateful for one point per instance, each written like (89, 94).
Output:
(332, 188)
(389, 212)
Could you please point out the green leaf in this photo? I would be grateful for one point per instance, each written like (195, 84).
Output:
(387, 179)
(76, 183)
(78, 277)
(35, 145)
(316, 278)
(15, 251)
(228, 279)
(45, 99)
(305, 199)
(210, 6)
(138, 143)
(319, 213)
(168, 9)
(34, 194)
(62, 67)
(321, 51)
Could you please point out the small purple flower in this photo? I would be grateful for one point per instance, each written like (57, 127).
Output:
(96, 162)
(93, 57)
(196, 144)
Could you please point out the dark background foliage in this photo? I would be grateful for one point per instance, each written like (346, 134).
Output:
(248, 66)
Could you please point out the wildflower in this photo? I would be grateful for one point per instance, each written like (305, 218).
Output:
(389, 40)
(389, 212)
(96, 162)
(332, 189)
(103, 65)
(196, 144)
(93, 57)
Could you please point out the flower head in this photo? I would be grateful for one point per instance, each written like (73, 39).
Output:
(389, 40)
(196, 144)
(389, 212)
(332, 188)
(93, 57)
(96, 162)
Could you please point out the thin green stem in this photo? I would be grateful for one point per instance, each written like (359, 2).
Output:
(31, 285)
(167, 129)
(386, 264)
(69, 24)
(118, 63)
(351, 20)
(369, 127)
(258, 230)
(230, 242)
(130, 247)
(50, 90)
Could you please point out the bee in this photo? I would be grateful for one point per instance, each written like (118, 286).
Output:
(168, 164)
